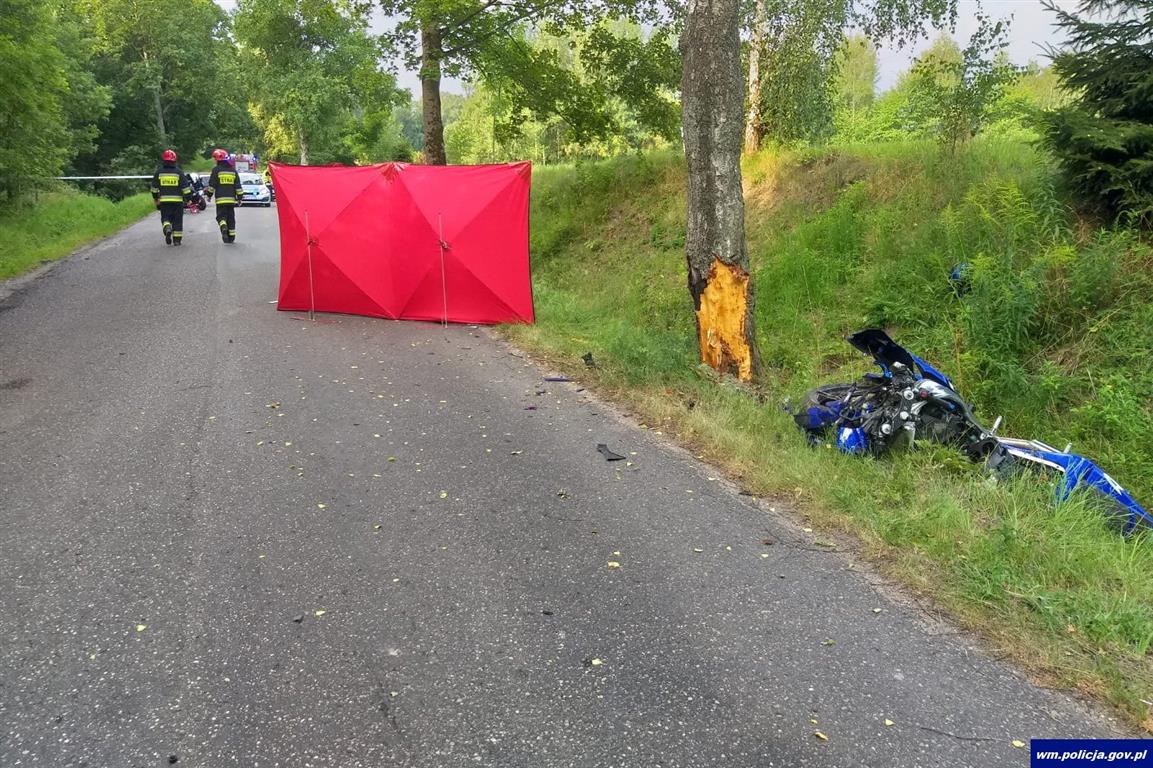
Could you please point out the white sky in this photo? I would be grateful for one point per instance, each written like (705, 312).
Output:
(1031, 28)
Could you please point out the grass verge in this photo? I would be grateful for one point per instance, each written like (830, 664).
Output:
(58, 223)
(1054, 334)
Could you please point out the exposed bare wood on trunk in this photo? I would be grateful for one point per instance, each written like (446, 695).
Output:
(753, 121)
(431, 54)
(712, 89)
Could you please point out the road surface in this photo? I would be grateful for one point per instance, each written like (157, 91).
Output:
(232, 536)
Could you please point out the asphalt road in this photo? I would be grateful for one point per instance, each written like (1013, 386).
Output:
(237, 537)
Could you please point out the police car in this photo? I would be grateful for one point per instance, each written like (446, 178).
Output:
(255, 190)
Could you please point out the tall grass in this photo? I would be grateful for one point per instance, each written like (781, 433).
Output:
(34, 232)
(1054, 333)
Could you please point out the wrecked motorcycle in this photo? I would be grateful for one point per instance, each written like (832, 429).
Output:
(910, 399)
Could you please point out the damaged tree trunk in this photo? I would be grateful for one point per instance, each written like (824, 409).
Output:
(712, 93)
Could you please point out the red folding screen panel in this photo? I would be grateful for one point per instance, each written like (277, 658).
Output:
(413, 242)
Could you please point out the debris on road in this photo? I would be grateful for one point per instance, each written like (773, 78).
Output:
(603, 450)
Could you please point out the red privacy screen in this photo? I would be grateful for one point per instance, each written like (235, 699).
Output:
(413, 242)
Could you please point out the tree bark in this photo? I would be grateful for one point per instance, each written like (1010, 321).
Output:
(161, 129)
(712, 94)
(157, 104)
(753, 121)
(430, 58)
(302, 141)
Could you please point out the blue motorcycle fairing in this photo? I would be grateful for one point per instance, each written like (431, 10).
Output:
(852, 440)
(1078, 471)
(875, 343)
(931, 373)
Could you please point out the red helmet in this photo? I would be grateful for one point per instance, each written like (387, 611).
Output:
(169, 156)
(219, 154)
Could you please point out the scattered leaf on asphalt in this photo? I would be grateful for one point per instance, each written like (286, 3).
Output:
(141, 627)
(1018, 743)
(697, 549)
(820, 736)
(889, 722)
(321, 506)
(614, 564)
(444, 494)
(319, 612)
(829, 641)
(298, 618)
(377, 527)
(764, 555)
(596, 662)
(876, 610)
(392, 458)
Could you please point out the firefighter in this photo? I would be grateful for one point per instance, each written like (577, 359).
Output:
(224, 183)
(170, 190)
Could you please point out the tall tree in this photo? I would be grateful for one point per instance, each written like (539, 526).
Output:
(954, 92)
(856, 74)
(309, 64)
(718, 258)
(753, 130)
(797, 57)
(1104, 140)
(460, 38)
(165, 70)
(32, 117)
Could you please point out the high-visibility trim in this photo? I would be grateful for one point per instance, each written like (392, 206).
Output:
(225, 201)
(170, 199)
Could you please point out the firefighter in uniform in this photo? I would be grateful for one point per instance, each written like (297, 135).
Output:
(170, 190)
(224, 184)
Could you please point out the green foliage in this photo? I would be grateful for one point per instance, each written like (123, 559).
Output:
(168, 74)
(574, 95)
(953, 92)
(802, 95)
(800, 43)
(1104, 140)
(57, 223)
(52, 104)
(855, 83)
(311, 69)
(1056, 334)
